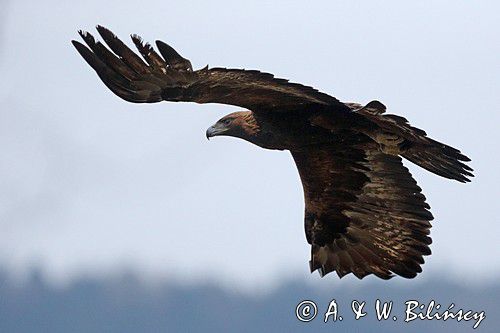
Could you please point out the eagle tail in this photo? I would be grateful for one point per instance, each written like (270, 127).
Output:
(397, 137)
(439, 159)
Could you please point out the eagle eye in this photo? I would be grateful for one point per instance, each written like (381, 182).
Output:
(227, 121)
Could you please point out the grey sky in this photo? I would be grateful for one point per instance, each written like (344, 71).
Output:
(90, 183)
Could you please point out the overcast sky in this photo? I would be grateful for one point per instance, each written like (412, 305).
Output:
(90, 184)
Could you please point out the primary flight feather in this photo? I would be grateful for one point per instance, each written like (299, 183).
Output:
(364, 212)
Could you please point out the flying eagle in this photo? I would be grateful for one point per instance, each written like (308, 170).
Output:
(364, 213)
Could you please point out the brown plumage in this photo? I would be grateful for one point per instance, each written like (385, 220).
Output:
(364, 213)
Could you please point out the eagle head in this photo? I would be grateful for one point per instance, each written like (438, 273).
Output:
(241, 125)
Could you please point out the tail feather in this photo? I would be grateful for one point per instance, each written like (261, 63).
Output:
(396, 136)
(440, 159)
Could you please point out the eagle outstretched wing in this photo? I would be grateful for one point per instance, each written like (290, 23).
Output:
(172, 78)
(364, 212)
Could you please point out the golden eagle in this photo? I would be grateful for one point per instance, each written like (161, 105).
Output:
(364, 213)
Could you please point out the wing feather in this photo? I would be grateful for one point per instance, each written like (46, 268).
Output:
(365, 214)
(171, 78)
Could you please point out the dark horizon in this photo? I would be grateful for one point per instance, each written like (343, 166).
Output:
(125, 304)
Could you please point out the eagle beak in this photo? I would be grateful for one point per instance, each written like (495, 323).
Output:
(210, 132)
(215, 130)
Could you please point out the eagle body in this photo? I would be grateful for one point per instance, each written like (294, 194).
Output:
(296, 131)
(364, 212)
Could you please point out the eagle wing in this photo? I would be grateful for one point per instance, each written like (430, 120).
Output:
(171, 78)
(364, 213)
